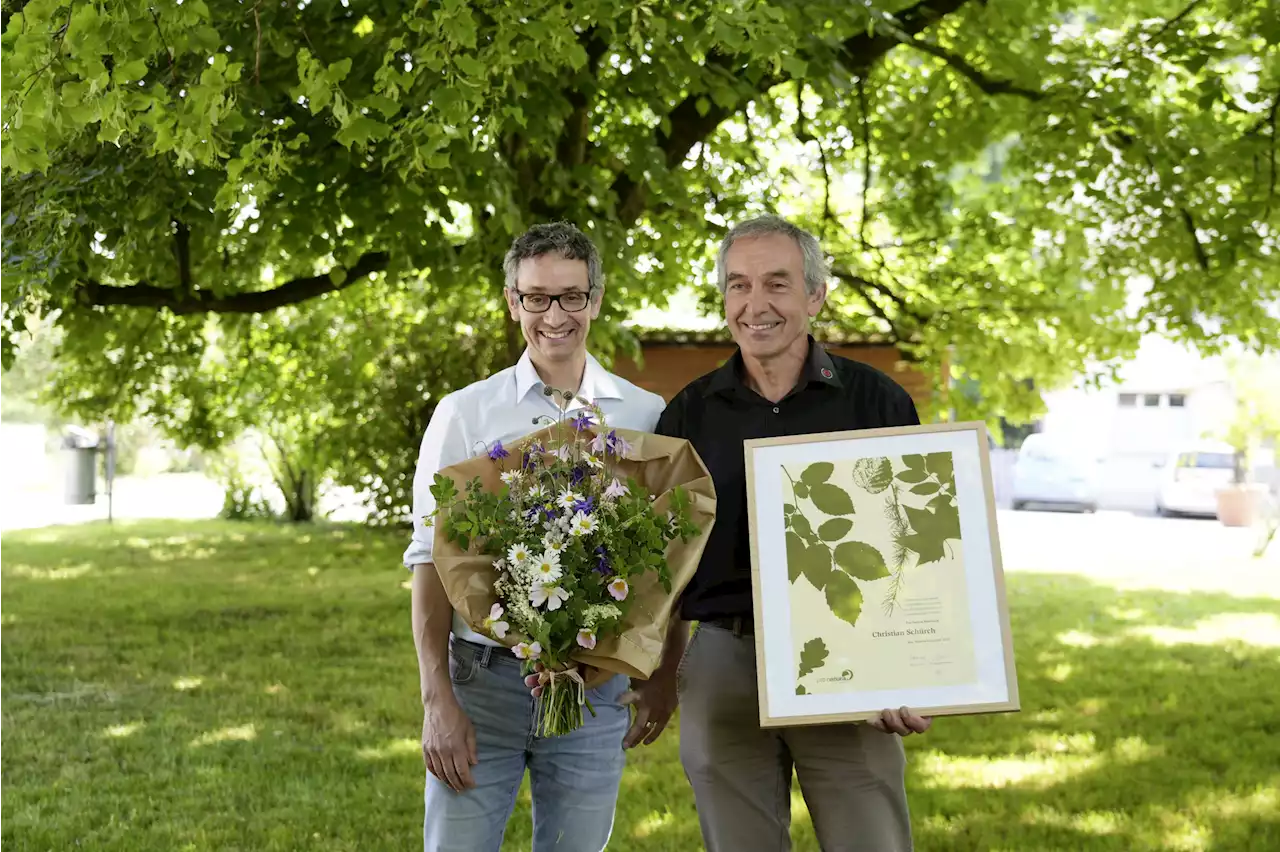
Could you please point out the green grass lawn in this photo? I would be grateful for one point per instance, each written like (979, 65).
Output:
(173, 686)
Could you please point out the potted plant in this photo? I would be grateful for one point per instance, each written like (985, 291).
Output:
(1257, 419)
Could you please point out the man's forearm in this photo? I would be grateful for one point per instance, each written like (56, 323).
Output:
(432, 620)
(673, 647)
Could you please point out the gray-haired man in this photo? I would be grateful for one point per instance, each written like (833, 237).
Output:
(477, 729)
(780, 382)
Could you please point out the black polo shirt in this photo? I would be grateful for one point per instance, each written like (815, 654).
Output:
(718, 411)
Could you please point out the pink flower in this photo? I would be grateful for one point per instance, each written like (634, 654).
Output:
(618, 589)
(527, 651)
(587, 639)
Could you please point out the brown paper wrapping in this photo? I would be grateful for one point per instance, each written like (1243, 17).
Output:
(658, 464)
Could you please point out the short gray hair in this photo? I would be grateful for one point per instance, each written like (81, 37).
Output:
(815, 263)
(562, 239)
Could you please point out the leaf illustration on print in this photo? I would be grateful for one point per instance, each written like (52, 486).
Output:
(831, 499)
(861, 560)
(812, 656)
(835, 529)
(844, 597)
(817, 473)
(873, 475)
(795, 555)
(815, 564)
(931, 529)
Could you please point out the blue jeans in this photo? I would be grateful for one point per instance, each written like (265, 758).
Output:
(574, 778)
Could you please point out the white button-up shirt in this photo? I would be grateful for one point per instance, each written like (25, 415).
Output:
(505, 407)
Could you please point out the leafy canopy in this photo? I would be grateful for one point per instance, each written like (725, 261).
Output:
(1019, 187)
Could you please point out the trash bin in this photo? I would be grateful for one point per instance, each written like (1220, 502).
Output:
(80, 454)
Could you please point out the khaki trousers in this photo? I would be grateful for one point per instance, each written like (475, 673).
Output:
(851, 776)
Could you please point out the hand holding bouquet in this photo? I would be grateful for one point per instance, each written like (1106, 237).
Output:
(560, 547)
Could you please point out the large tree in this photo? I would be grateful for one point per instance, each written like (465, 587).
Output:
(1023, 186)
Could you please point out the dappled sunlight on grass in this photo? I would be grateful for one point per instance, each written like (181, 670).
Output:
(1087, 822)
(652, 822)
(238, 733)
(1149, 719)
(393, 749)
(66, 572)
(121, 731)
(1260, 629)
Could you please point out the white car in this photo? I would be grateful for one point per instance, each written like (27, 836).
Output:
(1052, 472)
(1192, 477)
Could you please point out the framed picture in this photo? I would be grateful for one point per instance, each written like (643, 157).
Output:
(876, 569)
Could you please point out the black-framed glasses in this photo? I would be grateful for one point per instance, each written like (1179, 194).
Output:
(538, 303)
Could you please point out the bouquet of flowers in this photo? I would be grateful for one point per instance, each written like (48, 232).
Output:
(573, 548)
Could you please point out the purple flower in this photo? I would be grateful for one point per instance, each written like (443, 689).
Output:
(586, 506)
(602, 561)
(582, 421)
(498, 451)
(579, 473)
(618, 445)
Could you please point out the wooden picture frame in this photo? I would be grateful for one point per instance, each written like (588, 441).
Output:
(876, 573)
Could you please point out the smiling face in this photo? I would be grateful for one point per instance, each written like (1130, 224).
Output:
(765, 303)
(554, 335)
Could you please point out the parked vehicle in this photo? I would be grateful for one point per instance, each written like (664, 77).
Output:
(1192, 477)
(1055, 473)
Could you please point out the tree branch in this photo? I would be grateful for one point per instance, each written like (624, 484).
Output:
(572, 150)
(900, 303)
(866, 161)
(143, 295)
(990, 85)
(688, 126)
(182, 252)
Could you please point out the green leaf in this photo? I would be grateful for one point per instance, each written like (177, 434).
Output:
(811, 560)
(930, 531)
(788, 509)
(812, 656)
(913, 461)
(802, 490)
(816, 473)
(926, 488)
(873, 475)
(360, 130)
(800, 524)
(795, 556)
(940, 465)
(844, 597)
(800, 690)
(912, 476)
(702, 105)
(835, 529)
(831, 499)
(861, 560)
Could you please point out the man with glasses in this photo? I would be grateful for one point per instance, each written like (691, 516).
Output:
(478, 716)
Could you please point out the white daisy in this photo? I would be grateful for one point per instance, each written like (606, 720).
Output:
(546, 568)
(595, 463)
(518, 554)
(582, 524)
(537, 493)
(510, 477)
(568, 499)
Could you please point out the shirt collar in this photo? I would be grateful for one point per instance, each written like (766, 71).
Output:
(597, 382)
(818, 367)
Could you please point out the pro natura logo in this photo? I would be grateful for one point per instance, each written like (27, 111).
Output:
(844, 675)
